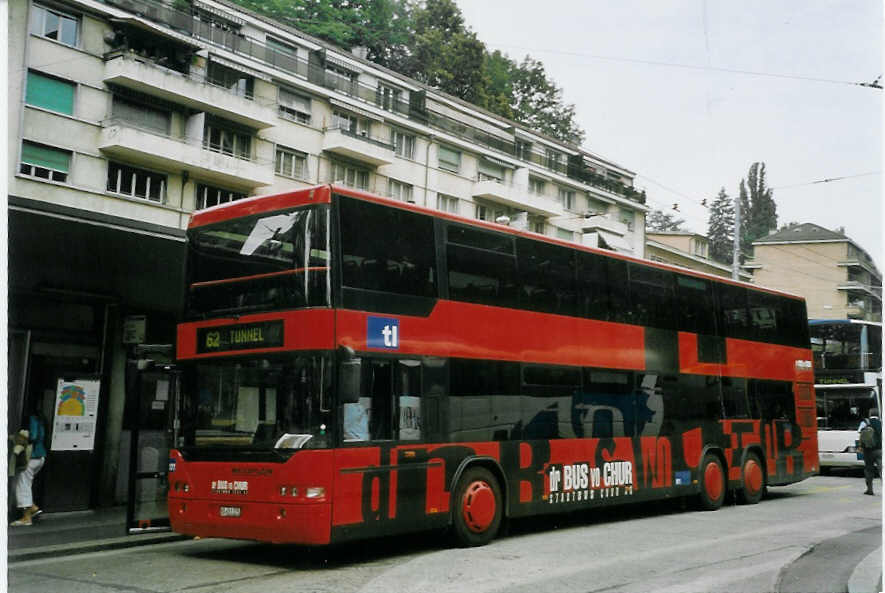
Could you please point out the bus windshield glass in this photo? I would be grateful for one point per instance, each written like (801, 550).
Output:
(276, 260)
(844, 345)
(279, 403)
(843, 409)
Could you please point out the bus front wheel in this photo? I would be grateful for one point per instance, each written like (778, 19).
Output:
(752, 480)
(477, 508)
(712, 481)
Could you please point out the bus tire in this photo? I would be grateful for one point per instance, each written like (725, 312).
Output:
(477, 508)
(752, 480)
(712, 480)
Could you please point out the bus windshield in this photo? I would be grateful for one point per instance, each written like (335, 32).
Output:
(843, 409)
(279, 403)
(844, 345)
(272, 261)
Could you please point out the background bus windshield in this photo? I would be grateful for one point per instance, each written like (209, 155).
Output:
(277, 260)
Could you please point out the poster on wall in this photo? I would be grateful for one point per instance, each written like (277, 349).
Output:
(76, 412)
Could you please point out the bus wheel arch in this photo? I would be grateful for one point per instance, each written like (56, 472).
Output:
(753, 477)
(478, 505)
(712, 479)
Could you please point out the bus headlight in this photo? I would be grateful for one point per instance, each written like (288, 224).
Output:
(315, 492)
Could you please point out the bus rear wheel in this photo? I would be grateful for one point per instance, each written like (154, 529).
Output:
(712, 479)
(476, 508)
(752, 480)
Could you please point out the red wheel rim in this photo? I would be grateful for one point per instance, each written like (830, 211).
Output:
(713, 480)
(752, 477)
(478, 506)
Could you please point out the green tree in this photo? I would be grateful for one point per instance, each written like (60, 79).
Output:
(762, 214)
(660, 221)
(720, 228)
(537, 102)
(443, 52)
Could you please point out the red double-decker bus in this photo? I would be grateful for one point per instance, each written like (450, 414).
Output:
(357, 367)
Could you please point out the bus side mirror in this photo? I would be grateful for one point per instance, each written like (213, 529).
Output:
(348, 377)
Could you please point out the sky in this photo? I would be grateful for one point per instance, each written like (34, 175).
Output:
(689, 93)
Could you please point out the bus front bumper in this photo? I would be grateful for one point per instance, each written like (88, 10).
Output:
(283, 523)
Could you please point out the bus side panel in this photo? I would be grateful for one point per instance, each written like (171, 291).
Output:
(388, 489)
(466, 330)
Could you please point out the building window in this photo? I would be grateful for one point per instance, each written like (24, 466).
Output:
(404, 144)
(136, 183)
(447, 204)
(523, 150)
(291, 163)
(700, 248)
(53, 24)
(230, 79)
(341, 79)
(564, 234)
(449, 159)
(399, 190)
(627, 218)
(553, 160)
(567, 198)
(294, 107)
(482, 212)
(45, 162)
(537, 225)
(490, 171)
(347, 122)
(50, 93)
(350, 176)
(388, 97)
(218, 138)
(208, 195)
(536, 186)
(141, 116)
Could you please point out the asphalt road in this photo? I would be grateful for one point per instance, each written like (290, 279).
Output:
(805, 537)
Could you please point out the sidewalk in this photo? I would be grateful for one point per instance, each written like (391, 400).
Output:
(77, 533)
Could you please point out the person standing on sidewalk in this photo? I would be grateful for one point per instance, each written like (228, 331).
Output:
(870, 431)
(24, 477)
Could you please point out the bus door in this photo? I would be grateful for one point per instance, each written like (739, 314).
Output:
(153, 421)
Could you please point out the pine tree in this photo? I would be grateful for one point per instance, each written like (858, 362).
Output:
(720, 229)
(658, 221)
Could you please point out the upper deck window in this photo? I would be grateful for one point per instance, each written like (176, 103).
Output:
(277, 260)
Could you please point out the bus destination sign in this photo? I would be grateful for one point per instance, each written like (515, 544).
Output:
(267, 334)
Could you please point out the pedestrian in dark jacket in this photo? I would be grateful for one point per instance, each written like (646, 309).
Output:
(871, 445)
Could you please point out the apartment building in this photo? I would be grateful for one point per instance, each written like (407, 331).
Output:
(837, 277)
(686, 249)
(127, 115)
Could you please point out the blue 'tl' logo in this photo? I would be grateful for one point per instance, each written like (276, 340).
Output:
(383, 332)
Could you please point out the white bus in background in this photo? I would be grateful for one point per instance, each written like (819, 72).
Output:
(847, 383)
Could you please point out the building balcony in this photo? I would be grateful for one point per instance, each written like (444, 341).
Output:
(150, 78)
(138, 146)
(515, 196)
(853, 287)
(360, 147)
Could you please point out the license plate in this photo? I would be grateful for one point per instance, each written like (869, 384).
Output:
(229, 511)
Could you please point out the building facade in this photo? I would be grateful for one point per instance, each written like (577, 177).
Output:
(127, 115)
(837, 277)
(686, 249)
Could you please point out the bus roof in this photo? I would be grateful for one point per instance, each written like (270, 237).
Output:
(322, 194)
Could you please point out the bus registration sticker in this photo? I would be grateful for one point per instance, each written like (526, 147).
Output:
(229, 511)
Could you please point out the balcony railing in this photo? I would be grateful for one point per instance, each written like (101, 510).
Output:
(185, 22)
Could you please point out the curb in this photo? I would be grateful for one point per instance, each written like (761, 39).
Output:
(867, 575)
(114, 543)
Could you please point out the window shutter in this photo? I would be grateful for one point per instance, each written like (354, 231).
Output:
(43, 156)
(50, 93)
